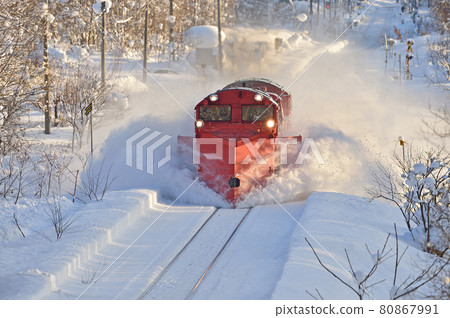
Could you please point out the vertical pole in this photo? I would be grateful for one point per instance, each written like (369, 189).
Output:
(194, 22)
(73, 128)
(329, 11)
(103, 42)
(56, 113)
(334, 8)
(171, 45)
(400, 75)
(170, 23)
(75, 189)
(403, 150)
(144, 74)
(386, 58)
(310, 7)
(220, 36)
(402, 144)
(47, 76)
(92, 135)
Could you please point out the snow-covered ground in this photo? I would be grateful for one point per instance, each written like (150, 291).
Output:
(345, 98)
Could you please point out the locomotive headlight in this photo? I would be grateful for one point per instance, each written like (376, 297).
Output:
(258, 97)
(213, 97)
(199, 123)
(270, 123)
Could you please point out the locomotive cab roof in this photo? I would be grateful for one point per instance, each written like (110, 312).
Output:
(243, 82)
(266, 95)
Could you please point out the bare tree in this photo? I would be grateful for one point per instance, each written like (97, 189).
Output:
(440, 288)
(20, 72)
(360, 281)
(60, 222)
(428, 273)
(75, 86)
(440, 61)
(440, 125)
(90, 276)
(14, 175)
(22, 174)
(96, 181)
(360, 284)
(16, 222)
(441, 13)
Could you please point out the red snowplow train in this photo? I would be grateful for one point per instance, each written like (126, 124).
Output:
(235, 146)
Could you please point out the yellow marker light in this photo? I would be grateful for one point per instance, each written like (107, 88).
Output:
(270, 123)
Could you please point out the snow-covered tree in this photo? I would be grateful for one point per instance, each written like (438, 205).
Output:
(427, 200)
(422, 193)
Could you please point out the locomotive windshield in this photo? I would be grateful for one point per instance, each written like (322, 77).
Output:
(215, 113)
(256, 113)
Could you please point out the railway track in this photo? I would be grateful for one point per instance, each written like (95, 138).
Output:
(183, 275)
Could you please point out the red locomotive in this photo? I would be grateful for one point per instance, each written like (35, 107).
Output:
(236, 128)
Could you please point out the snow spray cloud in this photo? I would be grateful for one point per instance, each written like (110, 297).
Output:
(344, 102)
(345, 170)
(339, 173)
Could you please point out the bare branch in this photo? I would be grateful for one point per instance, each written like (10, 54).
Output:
(330, 271)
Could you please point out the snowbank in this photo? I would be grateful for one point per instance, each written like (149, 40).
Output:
(333, 222)
(31, 270)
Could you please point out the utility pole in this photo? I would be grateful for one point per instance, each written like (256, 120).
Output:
(194, 18)
(324, 9)
(88, 111)
(170, 23)
(386, 58)
(400, 75)
(310, 8)
(334, 8)
(103, 42)
(145, 43)
(92, 135)
(220, 36)
(402, 144)
(47, 74)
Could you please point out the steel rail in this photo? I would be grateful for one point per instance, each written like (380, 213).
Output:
(217, 256)
(163, 272)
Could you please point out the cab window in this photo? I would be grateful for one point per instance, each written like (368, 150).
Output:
(215, 113)
(256, 113)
